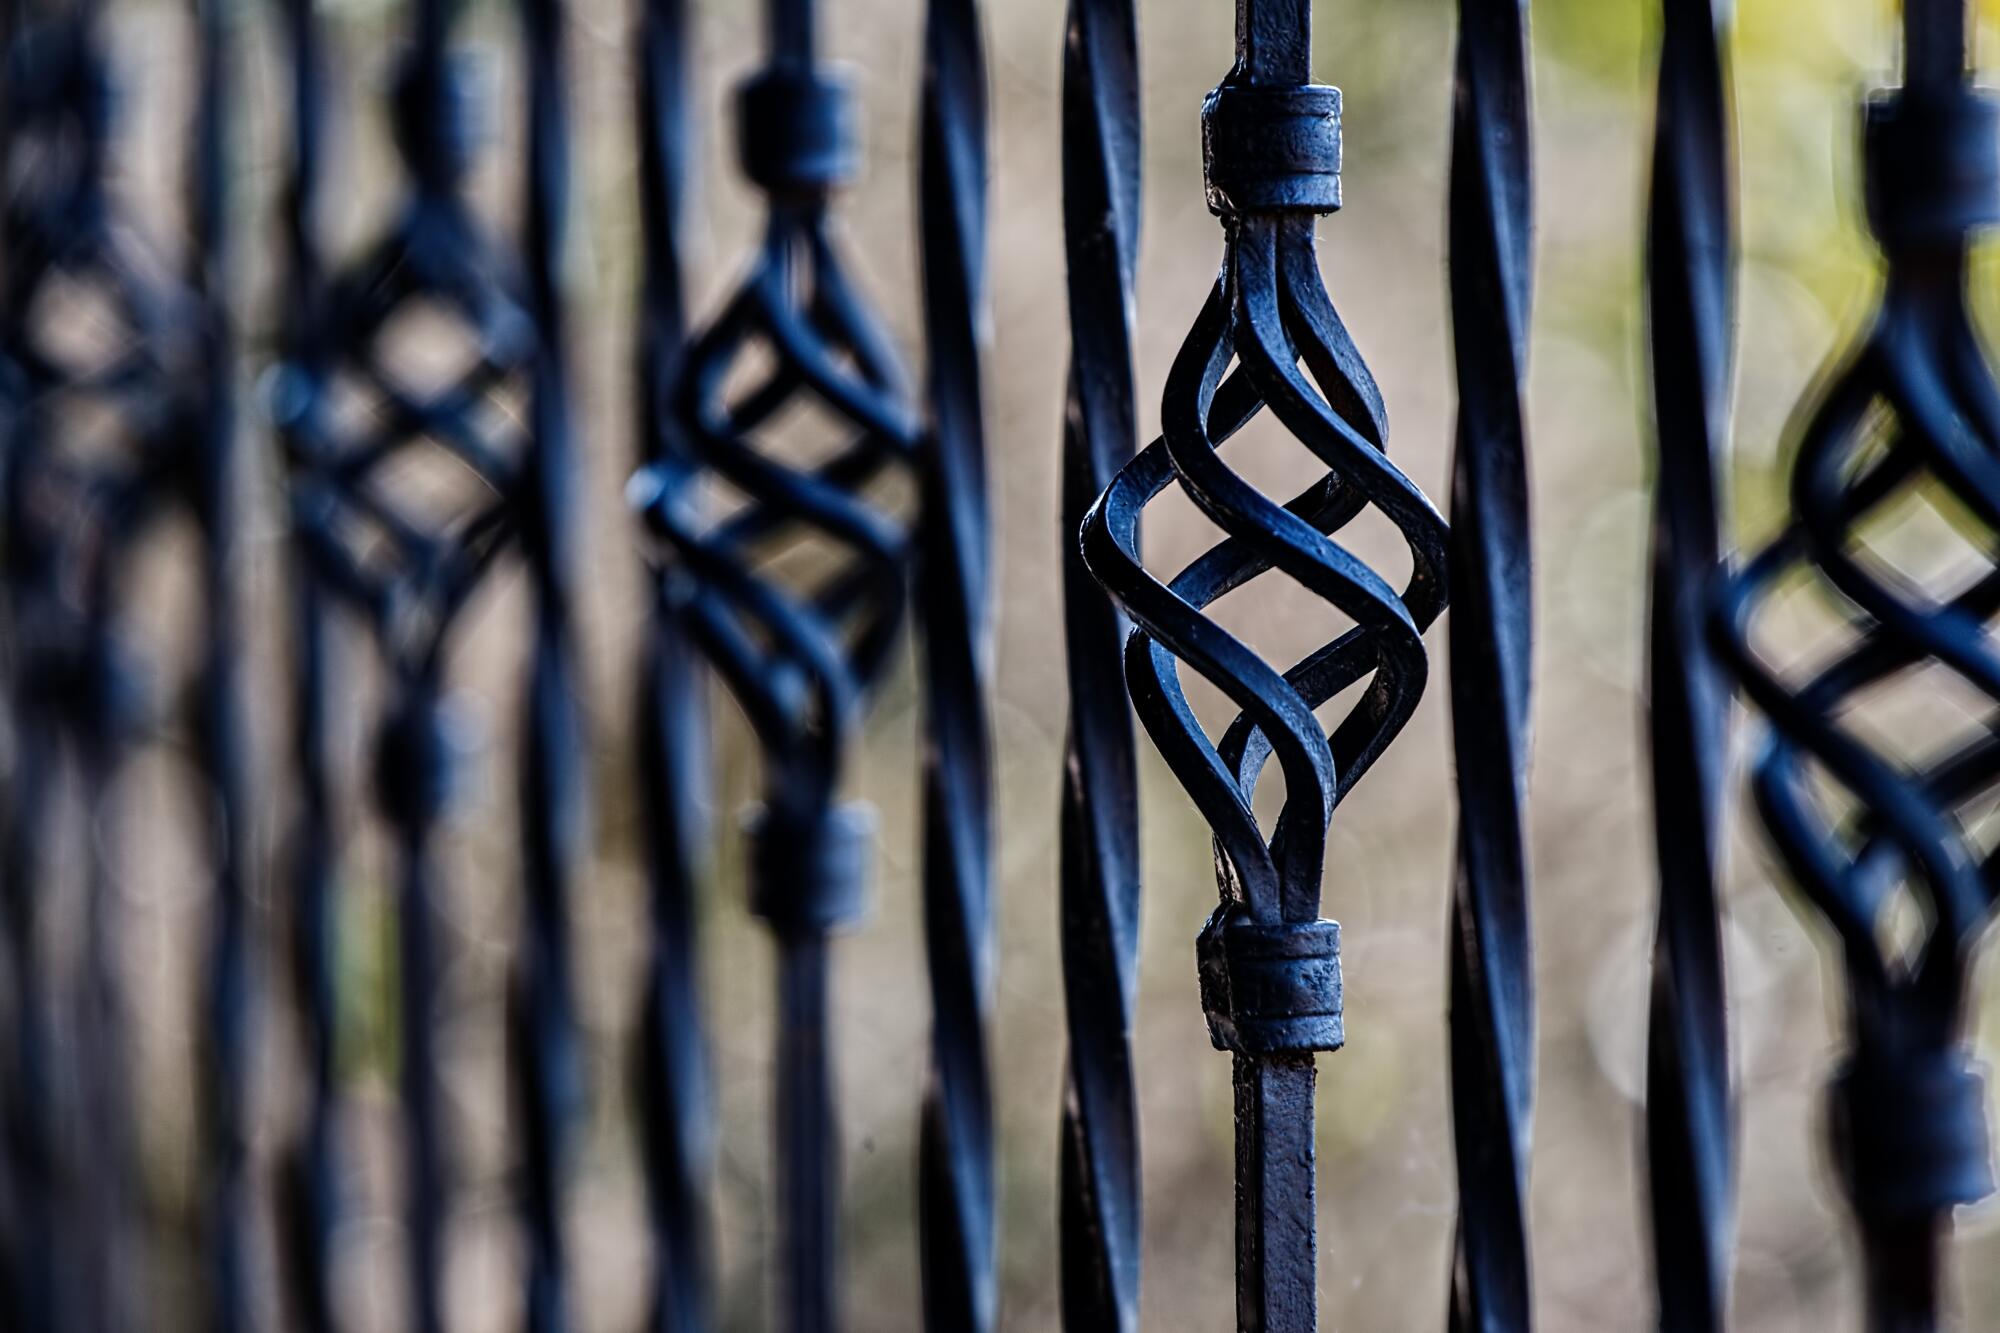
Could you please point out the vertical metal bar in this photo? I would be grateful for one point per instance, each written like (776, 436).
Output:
(553, 816)
(1101, 1211)
(234, 997)
(954, 592)
(1492, 979)
(1690, 282)
(671, 1069)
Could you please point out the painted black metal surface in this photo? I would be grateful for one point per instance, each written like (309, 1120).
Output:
(670, 1072)
(370, 555)
(1690, 280)
(1101, 1213)
(1492, 633)
(103, 442)
(1873, 837)
(800, 652)
(1269, 966)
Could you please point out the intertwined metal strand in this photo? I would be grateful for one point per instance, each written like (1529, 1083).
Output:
(1492, 979)
(1886, 842)
(955, 1165)
(1269, 966)
(801, 650)
(670, 1073)
(101, 441)
(1101, 1214)
(407, 575)
(1690, 277)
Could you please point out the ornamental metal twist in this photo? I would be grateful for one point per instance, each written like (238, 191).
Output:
(1690, 266)
(103, 440)
(670, 1073)
(351, 412)
(955, 1181)
(1101, 1213)
(1492, 977)
(1269, 966)
(801, 650)
(1884, 845)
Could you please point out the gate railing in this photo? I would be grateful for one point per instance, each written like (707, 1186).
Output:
(796, 501)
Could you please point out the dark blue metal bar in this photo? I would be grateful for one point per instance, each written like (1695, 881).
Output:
(1101, 1211)
(1492, 976)
(954, 591)
(670, 1071)
(1690, 282)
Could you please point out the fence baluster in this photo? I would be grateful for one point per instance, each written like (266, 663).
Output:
(1904, 882)
(953, 559)
(407, 577)
(1492, 978)
(802, 658)
(1270, 968)
(1101, 1216)
(670, 1073)
(77, 517)
(1690, 278)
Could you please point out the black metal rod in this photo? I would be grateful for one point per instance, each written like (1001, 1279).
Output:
(1690, 277)
(1492, 975)
(954, 590)
(1101, 1213)
(808, 1139)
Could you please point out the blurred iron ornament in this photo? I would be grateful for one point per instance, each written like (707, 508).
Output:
(800, 660)
(101, 445)
(408, 577)
(1269, 312)
(1914, 407)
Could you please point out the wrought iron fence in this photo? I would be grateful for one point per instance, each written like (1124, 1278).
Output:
(392, 417)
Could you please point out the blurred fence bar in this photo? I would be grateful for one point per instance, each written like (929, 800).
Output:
(1101, 1211)
(670, 1069)
(1883, 839)
(1690, 281)
(1268, 335)
(954, 582)
(795, 500)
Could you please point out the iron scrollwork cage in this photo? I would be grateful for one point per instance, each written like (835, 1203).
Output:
(1884, 840)
(802, 502)
(1269, 964)
(369, 552)
(117, 416)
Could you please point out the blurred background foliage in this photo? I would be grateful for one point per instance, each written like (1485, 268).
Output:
(1386, 1201)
